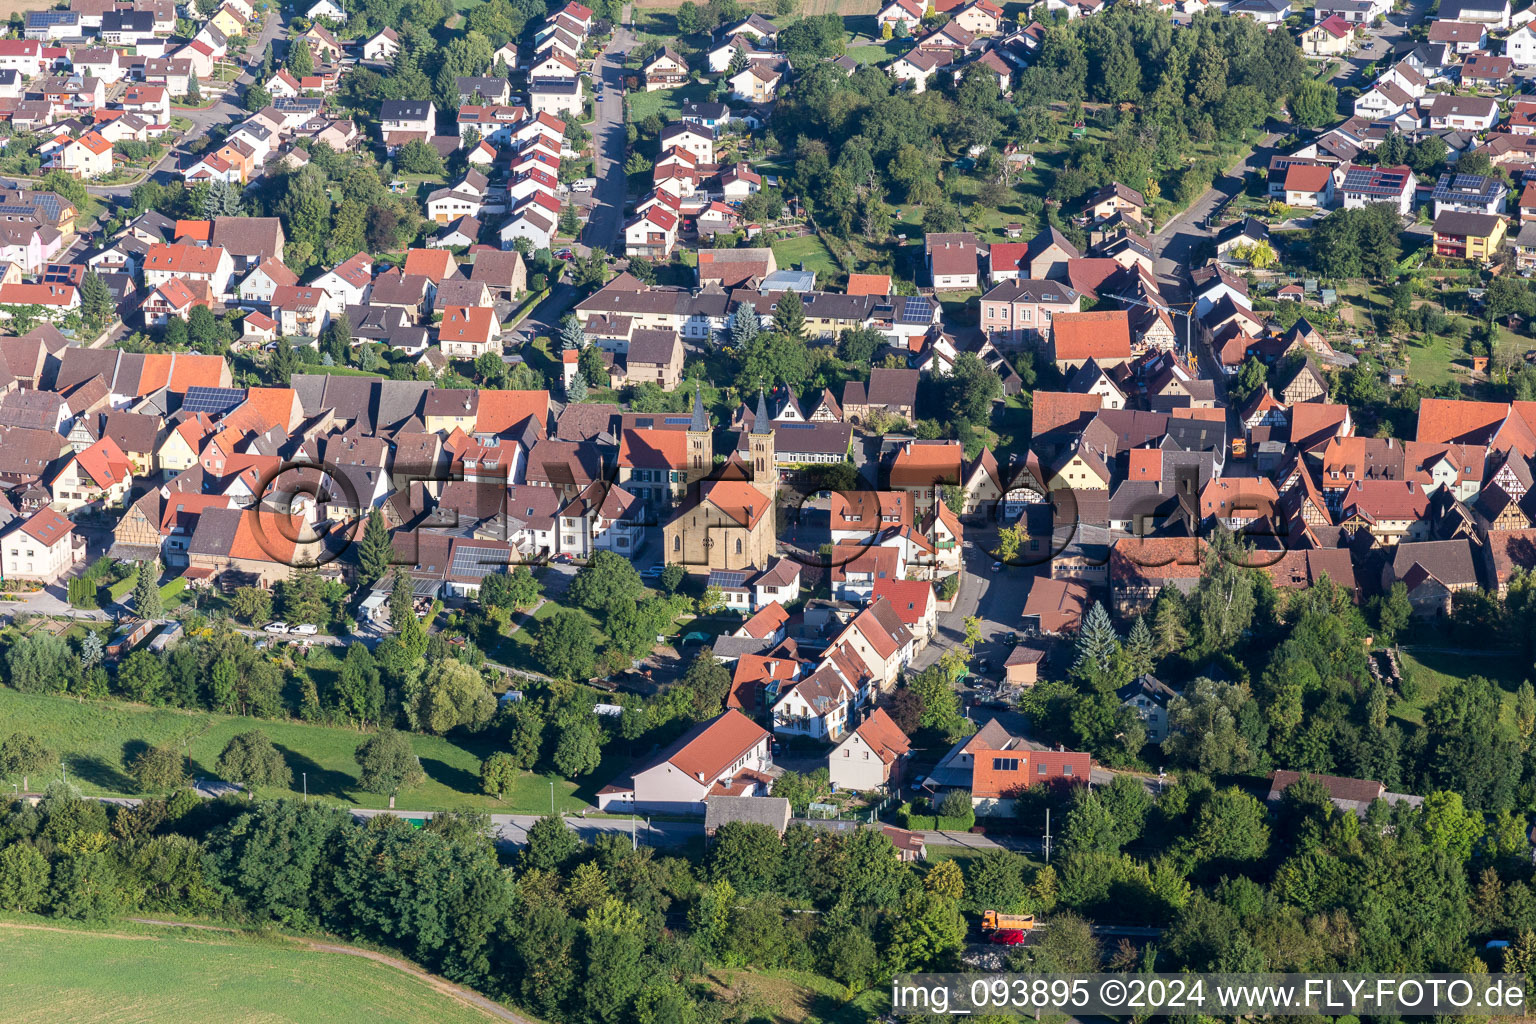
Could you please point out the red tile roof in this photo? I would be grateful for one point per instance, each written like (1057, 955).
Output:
(1103, 334)
(883, 737)
(501, 411)
(716, 745)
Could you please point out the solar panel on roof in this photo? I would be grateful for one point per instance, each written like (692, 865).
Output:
(472, 561)
(213, 401)
(728, 580)
(914, 308)
(678, 419)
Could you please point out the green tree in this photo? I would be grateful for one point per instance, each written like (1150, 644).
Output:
(1140, 649)
(449, 694)
(158, 769)
(747, 855)
(565, 647)
(1315, 103)
(256, 97)
(96, 306)
(551, 845)
(23, 754)
(417, 157)
(579, 751)
(497, 774)
(972, 387)
(359, 693)
(1450, 827)
(300, 60)
(789, 315)
(146, 590)
(376, 552)
(23, 879)
(142, 677)
(1010, 541)
(1393, 613)
(1089, 826)
(251, 605)
(709, 682)
(1231, 827)
(608, 579)
(940, 702)
(995, 881)
(250, 759)
(39, 662)
(388, 764)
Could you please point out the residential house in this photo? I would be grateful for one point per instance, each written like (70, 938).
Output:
(40, 548)
(1469, 236)
(871, 757)
(728, 755)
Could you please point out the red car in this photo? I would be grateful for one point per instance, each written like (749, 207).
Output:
(1007, 937)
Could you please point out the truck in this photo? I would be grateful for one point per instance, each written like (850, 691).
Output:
(992, 921)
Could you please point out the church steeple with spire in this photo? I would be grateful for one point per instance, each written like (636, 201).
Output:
(760, 451)
(701, 439)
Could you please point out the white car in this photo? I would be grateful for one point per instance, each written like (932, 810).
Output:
(276, 627)
(305, 629)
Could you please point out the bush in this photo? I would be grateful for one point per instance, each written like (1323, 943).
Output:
(926, 818)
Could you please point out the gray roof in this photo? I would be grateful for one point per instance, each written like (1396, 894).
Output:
(771, 811)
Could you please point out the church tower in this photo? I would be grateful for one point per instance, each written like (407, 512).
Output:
(701, 439)
(765, 475)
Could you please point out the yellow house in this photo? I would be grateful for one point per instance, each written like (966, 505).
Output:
(1084, 470)
(1469, 236)
(177, 451)
(447, 408)
(228, 22)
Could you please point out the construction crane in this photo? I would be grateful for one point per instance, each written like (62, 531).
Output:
(1187, 357)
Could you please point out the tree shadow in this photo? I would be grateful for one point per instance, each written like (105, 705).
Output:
(456, 779)
(321, 781)
(98, 772)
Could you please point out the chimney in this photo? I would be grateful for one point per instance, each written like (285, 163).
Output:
(701, 776)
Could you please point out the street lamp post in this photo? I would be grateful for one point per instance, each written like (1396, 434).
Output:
(306, 786)
(551, 798)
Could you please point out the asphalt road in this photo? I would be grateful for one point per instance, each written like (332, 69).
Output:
(608, 142)
(1177, 244)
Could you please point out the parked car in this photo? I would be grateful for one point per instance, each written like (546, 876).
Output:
(305, 629)
(276, 627)
(997, 566)
(1007, 937)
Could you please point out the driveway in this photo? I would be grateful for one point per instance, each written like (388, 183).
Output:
(608, 142)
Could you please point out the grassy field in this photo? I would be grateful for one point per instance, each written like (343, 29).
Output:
(144, 973)
(666, 103)
(97, 739)
(807, 250)
(1433, 671)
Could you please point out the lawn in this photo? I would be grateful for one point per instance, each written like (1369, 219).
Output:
(809, 252)
(1433, 671)
(143, 973)
(171, 594)
(96, 739)
(786, 997)
(665, 103)
(516, 651)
